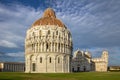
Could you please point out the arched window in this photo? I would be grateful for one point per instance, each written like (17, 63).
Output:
(47, 46)
(32, 46)
(59, 46)
(50, 60)
(58, 60)
(56, 32)
(40, 59)
(48, 31)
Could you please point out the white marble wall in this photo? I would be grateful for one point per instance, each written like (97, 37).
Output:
(48, 41)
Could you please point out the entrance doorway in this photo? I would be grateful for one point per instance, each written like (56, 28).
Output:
(78, 69)
(72, 69)
(33, 66)
(84, 68)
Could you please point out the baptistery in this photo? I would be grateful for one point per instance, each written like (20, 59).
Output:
(48, 45)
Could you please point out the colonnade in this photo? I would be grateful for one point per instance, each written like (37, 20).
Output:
(48, 42)
(13, 67)
(49, 47)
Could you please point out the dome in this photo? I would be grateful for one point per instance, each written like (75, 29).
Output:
(48, 18)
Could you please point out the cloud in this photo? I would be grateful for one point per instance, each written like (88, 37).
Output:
(91, 21)
(15, 19)
(94, 25)
(14, 22)
(8, 44)
(16, 55)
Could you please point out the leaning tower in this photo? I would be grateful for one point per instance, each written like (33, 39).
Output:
(48, 45)
(105, 56)
(105, 59)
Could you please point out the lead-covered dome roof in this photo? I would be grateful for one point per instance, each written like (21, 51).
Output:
(48, 18)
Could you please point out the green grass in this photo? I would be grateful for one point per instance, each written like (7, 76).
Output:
(60, 76)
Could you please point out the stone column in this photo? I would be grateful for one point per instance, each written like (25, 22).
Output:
(18, 67)
(60, 47)
(54, 64)
(62, 64)
(34, 47)
(44, 47)
(41, 46)
(51, 46)
(64, 48)
(36, 65)
(30, 65)
(37, 47)
(46, 64)
(54, 47)
(68, 64)
(8, 67)
(15, 67)
(57, 46)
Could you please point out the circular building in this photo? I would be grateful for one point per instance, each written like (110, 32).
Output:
(48, 45)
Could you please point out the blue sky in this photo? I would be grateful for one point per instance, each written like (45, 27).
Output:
(94, 24)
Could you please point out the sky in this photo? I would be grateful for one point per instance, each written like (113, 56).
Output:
(94, 24)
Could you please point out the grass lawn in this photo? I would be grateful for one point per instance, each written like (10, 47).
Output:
(60, 76)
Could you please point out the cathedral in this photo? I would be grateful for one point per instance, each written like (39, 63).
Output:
(48, 49)
(82, 61)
